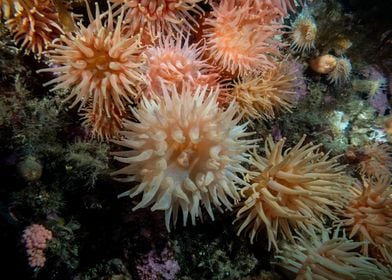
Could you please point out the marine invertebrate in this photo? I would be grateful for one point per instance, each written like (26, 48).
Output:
(303, 33)
(323, 64)
(293, 190)
(186, 152)
(241, 39)
(263, 95)
(377, 160)
(160, 16)
(321, 256)
(368, 216)
(99, 63)
(173, 62)
(341, 72)
(34, 24)
(100, 125)
(35, 238)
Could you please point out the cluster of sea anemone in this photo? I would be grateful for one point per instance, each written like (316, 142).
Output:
(180, 106)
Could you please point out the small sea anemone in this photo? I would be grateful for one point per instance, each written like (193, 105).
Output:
(304, 32)
(263, 95)
(341, 73)
(100, 125)
(323, 64)
(293, 190)
(34, 24)
(185, 152)
(368, 215)
(241, 39)
(341, 45)
(377, 161)
(99, 64)
(160, 17)
(175, 63)
(321, 256)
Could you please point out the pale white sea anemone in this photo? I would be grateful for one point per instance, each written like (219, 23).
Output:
(325, 257)
(184, 152)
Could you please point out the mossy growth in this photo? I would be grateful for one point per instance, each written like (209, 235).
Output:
(86, 162)
(38, 200)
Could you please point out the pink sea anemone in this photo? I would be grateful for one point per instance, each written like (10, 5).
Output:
(185, 152)
(242, 39)
(175, 63)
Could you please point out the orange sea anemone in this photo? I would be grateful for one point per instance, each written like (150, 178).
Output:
(174, 62)
(369, 217)
(32, 23)
(160, 17)
(100, 125)
(184, 152)
(263, 95)
(321, 256)
(294, 189)
(377, 161)
(323, 64)
(304, 32)
(241, 39)
(99, 64)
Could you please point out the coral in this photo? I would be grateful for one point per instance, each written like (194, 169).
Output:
(186, 151)
(158, 266)
(160, 17)
(242, 39)
(99, 63)
(33, 24)
(321, 256)
(304, 32)
(341, 73)
(261, 96)
(175, 63)
(291, 190)
(368, 216)
(35, 238)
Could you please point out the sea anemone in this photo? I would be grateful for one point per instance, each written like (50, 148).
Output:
(34, 24)
(323, 64)
(99, 63)
(262, 95)
(341, 72)
(368, 215)
(185, 152)
(321, 256)
(100, 125)
(293, 190)
(160, 17)
(175, 63)
(241, 39)
(377, 161)
(303, 33)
